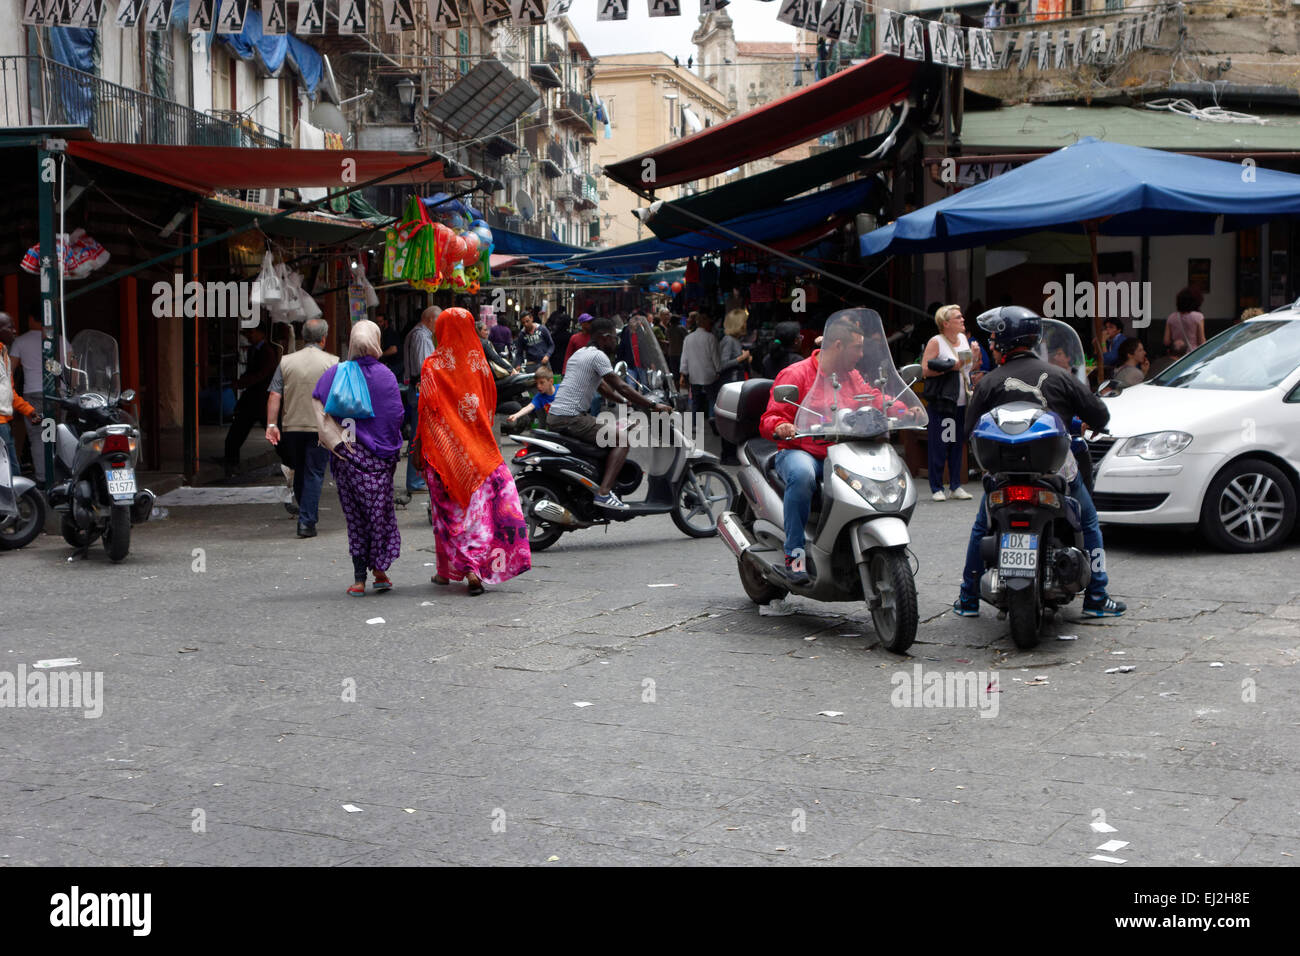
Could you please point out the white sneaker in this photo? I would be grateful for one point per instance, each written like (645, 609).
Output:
(961, 494)
(939, 496)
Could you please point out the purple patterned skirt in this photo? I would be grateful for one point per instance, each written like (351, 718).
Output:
(365, 483)
(488, 537)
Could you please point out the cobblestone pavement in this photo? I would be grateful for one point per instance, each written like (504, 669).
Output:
(581, 715)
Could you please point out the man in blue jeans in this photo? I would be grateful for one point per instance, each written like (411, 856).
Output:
(800, 460)
(1023, 377)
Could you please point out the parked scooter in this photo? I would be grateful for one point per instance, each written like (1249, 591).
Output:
(857, 534)
(96, 452)
(1034, 551)
(557, 476)
(22, 508)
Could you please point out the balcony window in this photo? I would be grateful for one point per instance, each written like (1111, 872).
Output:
(223, 80)
(463, 39)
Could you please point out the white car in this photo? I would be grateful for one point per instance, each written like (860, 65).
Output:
(1212, 441)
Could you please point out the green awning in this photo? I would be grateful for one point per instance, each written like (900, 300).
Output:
(770, 188)
(311, 226)
(1036, 126)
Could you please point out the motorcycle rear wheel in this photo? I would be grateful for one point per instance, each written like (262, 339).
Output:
(117, 536)
(533, 491)
(1026, 616)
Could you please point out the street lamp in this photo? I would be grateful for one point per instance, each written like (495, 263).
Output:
(406, 91)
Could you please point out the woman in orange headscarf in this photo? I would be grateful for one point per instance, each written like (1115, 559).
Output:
(478, 525)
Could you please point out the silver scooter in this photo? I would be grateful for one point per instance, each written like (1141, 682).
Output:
(857, 534)
(22, 507)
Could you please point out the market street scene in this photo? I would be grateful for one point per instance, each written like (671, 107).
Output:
(578, 433)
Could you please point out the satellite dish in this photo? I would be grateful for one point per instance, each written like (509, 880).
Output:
(527, 208)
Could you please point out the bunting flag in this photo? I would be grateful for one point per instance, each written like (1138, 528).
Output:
(275, 17)
(712, 6)
(443, 14)
(492, 11)
(913, 38)
(1096, 45)
(665, 8)
(558, 8)
(831, 20)
(1044, 49)
(1061, 60)
(938, 42)
(84, 14)
(158, 14)
(354, 16)
(1080, 47)
(530, 12)
(58, 13)
(611, 10)
(1010, 43)
(399, 15)
(956, 46)
(1026, 48)
(34, 12)
(231, 15)
(311, 17)
(201, 16)
(128, 13)
(982, 56)
(851, 23)
(799, 13)
(891, 37)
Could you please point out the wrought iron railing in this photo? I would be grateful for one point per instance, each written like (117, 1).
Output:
(37, 91)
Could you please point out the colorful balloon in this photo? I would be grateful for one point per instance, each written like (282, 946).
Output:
(471, 249)
(677, 287)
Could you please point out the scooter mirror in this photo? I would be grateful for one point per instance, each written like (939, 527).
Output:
(910, 373)
(621, 370)
(1110, 388)
(789, 394)
(127, 397)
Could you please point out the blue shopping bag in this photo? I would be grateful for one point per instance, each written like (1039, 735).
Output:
(349, 395)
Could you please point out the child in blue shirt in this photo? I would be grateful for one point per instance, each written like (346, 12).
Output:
(545, 382)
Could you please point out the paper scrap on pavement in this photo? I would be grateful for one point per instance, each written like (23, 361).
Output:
(1110, 846)
(428, 603)
(830, 713)
(811, 638)
(552, 859)
(1107, 859)
(1067, 637)
(779, 608)
(1037, 682)
(661, 585)
(1216, 663)
(408, 809)
(375, 620)
(1121, 670)
(582, 703)
(350, 808)
(1119, 653)
(1100, 826)
(57, 662)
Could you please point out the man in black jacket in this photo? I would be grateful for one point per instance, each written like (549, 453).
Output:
(1023, 377)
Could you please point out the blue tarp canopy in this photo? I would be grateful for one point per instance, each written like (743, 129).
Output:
(271, 51)
(775, 222)
(1132, 190)
(507, 243)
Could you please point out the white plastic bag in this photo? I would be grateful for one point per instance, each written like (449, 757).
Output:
(269, 289)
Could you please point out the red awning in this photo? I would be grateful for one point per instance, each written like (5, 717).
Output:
(795, 118)
(204, 169)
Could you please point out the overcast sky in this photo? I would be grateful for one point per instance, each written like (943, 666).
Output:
(754, 20)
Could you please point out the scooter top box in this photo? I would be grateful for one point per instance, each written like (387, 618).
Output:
(740, 407)
(1020, 439)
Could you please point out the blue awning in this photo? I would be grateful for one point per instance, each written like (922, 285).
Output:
(507, 243)
(270, 51)
(775, 222)
(1132, 191)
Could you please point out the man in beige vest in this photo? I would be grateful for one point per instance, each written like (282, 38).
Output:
(290, 393)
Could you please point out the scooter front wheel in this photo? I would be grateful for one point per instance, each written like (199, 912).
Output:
(705, 493)
(29, 523)
(532, 492)
(893, 610)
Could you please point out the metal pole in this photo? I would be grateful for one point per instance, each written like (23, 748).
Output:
(46, 174)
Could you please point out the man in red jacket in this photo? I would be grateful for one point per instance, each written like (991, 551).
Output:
(799, 462)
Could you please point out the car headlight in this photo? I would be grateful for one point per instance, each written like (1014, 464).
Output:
(1154, 446)
(879, 494)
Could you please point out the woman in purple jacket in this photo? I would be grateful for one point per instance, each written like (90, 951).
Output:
(363, 470)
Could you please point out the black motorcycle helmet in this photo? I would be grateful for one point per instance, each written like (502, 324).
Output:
(1011, 327)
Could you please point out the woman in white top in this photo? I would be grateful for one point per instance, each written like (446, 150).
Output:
(946, 367)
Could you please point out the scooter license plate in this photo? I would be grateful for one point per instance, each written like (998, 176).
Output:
(121, 483)
(1019, 557)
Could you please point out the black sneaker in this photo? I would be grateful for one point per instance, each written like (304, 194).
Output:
(292, 508)
(798, 578)
(610, 502)
(966, 606)
(306, 530)
(1103, 606)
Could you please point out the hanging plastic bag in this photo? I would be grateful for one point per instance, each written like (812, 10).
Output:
(349, 396)
(310, 310)
(269, 282)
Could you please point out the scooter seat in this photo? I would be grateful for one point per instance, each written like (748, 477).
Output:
(579, 448)
(762, 454)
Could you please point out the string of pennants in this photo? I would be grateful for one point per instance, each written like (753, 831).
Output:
(901, 34)
(950, 45)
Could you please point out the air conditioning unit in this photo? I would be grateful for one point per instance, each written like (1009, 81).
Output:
(263, 197)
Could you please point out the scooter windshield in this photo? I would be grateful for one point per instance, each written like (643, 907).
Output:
(93, 367)
(1061, 346)
(655, 373)
(842, 404)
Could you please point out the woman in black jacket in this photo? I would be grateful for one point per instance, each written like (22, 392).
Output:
(784, 350)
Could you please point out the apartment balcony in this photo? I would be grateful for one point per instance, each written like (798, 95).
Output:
(544, 69)
(574, 111)
(37, 91)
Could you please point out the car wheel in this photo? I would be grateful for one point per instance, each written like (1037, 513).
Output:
(1250, 506)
